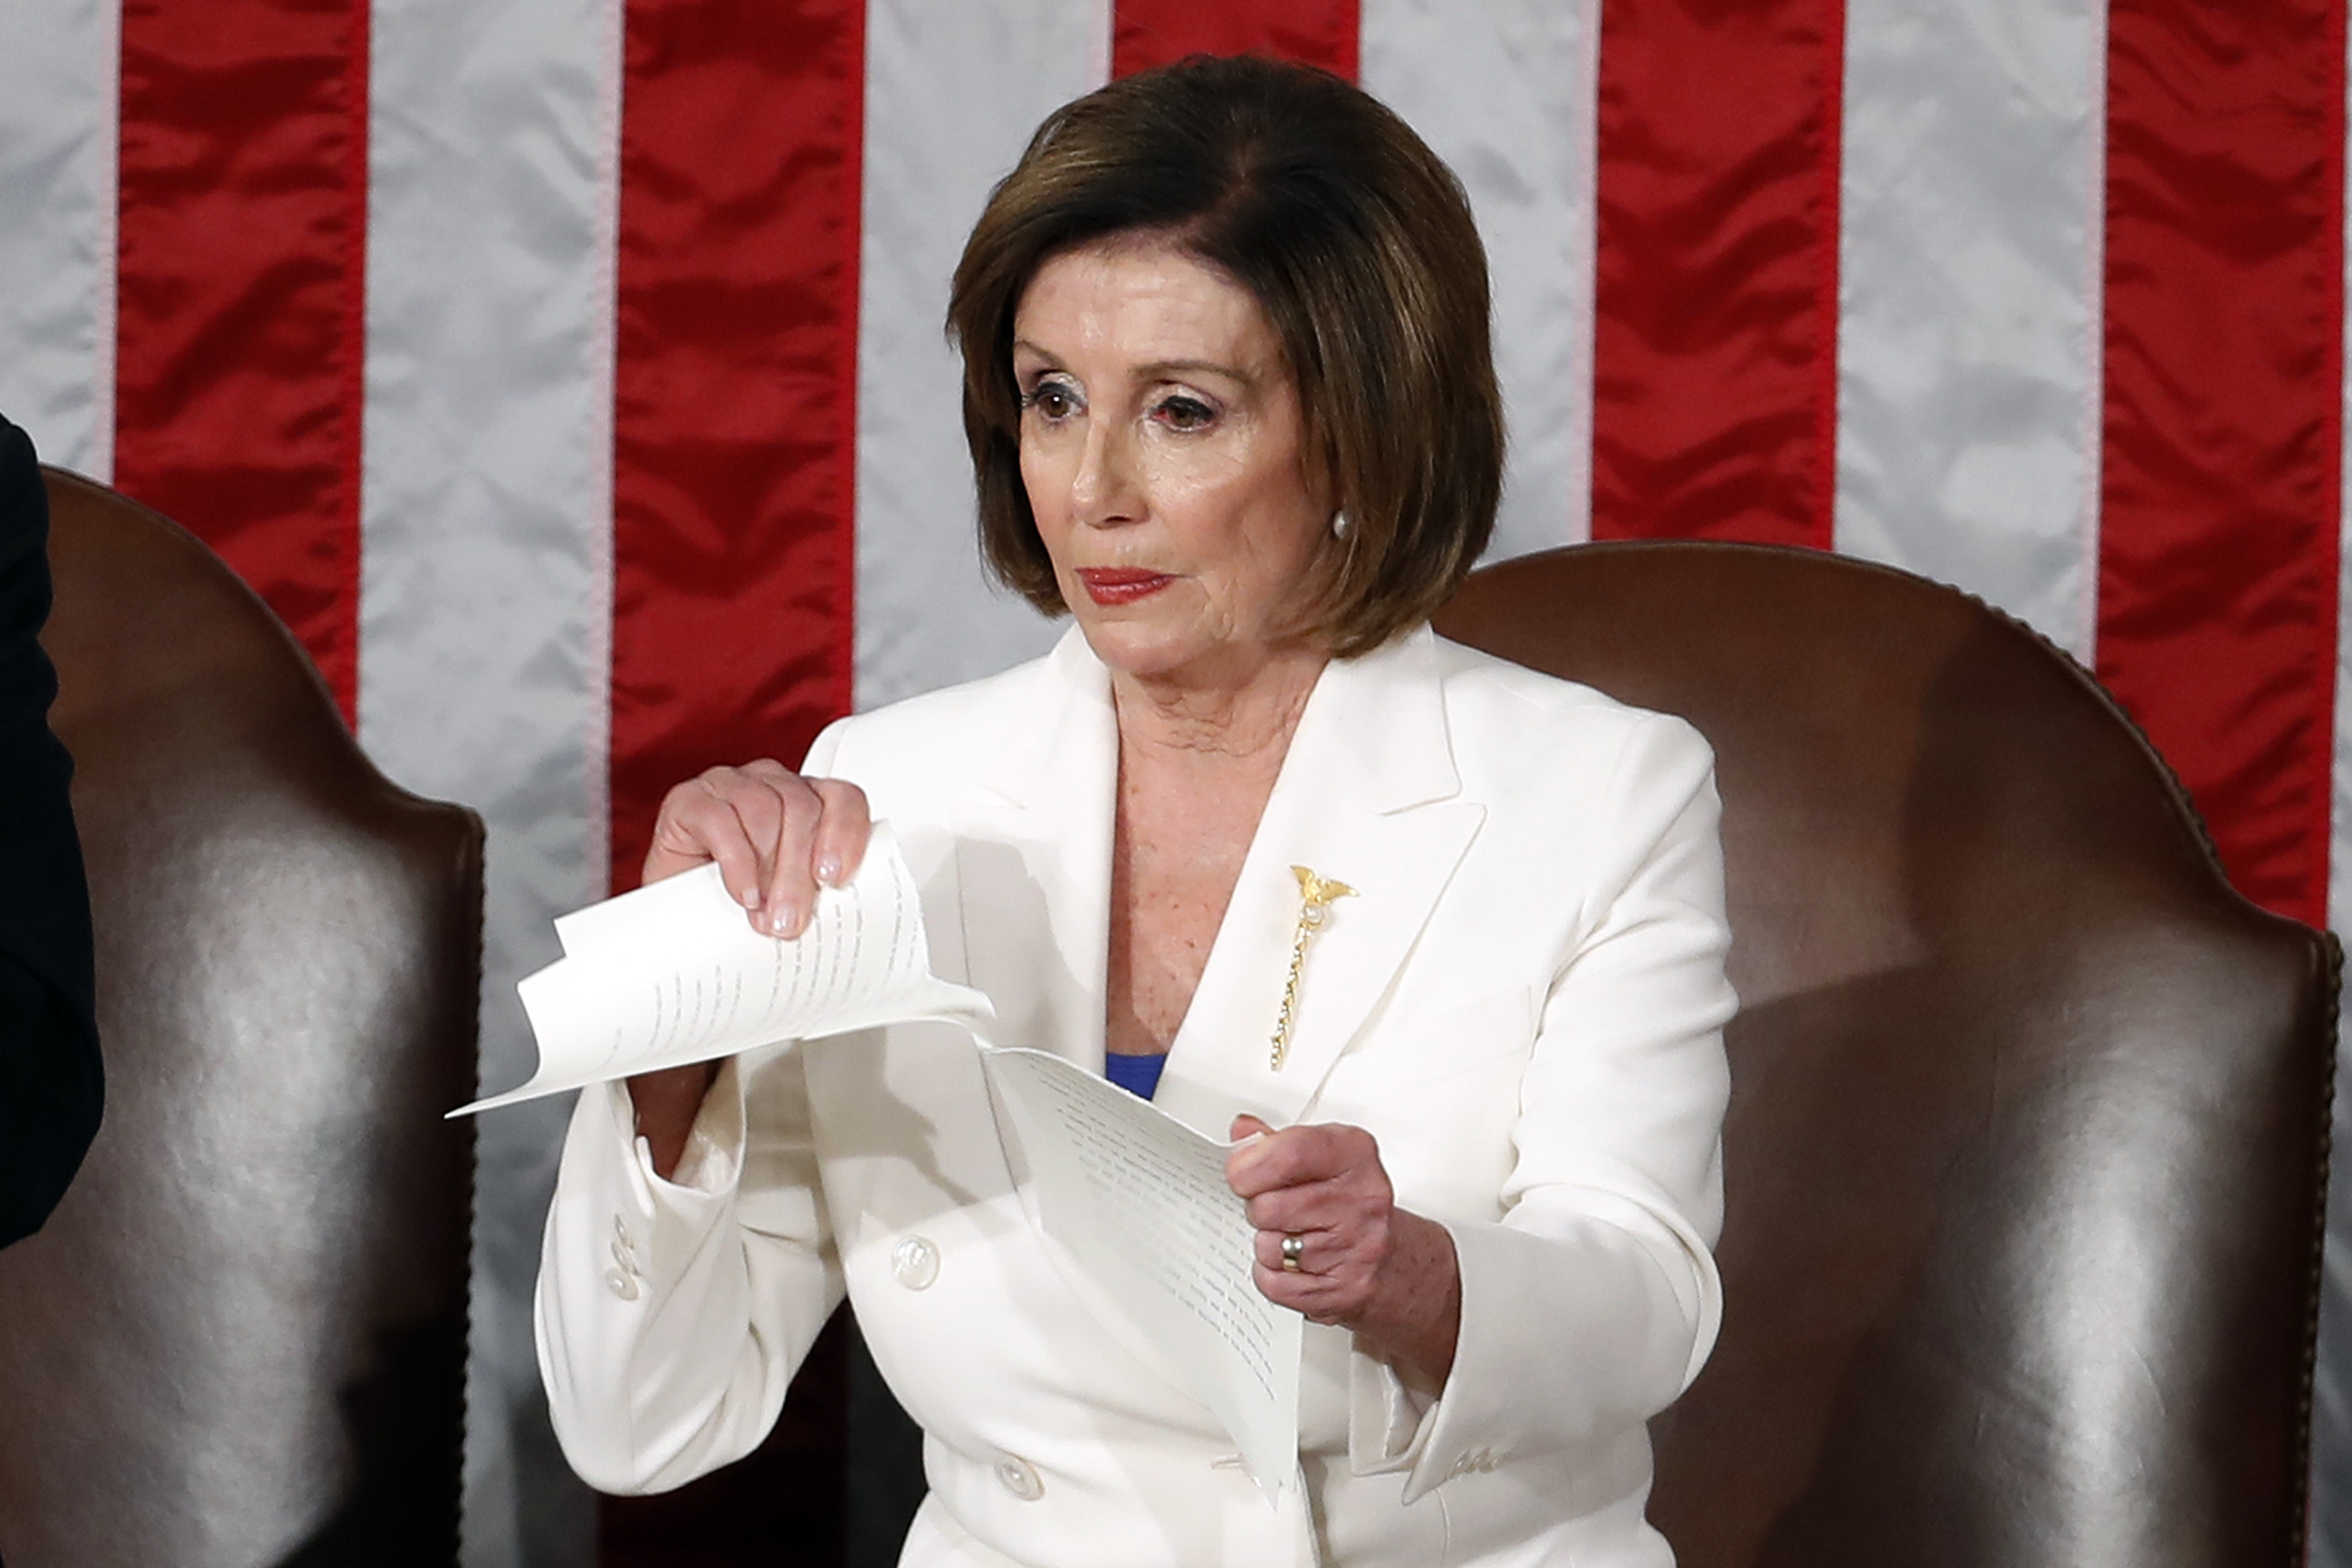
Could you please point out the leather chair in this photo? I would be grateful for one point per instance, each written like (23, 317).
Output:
(2026, 1154)
(241, 1341)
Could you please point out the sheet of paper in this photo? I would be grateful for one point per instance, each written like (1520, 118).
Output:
(1140, 1200)
(673, 974)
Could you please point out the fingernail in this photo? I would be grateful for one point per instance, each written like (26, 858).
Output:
(828, 871)
(751, 898)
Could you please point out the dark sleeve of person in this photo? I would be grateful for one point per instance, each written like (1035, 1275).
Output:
(50, 1088)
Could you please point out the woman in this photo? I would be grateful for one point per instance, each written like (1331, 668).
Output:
(1229, 396)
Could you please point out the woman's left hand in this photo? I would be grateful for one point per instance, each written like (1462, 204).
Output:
(1361, 1263)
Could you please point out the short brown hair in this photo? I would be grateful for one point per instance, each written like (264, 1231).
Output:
(1355, 241)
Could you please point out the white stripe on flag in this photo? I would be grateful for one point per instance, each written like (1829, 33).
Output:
(952, 95)
(486, 579)
(60, 109)
(1971, 195)
(1504, 93)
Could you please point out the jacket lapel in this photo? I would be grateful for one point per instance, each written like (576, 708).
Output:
(1368, 795)
(1034, 882)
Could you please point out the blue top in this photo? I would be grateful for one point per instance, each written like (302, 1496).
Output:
(1138, 1075)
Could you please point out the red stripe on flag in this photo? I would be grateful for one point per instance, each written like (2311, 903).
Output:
(1147, 33)
(239, 325)
(734, 434)
(1715, 332)
(2224, 327)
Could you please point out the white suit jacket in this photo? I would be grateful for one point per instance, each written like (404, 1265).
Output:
(1523, 1002)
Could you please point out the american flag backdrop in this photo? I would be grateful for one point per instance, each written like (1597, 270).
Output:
(570, 375)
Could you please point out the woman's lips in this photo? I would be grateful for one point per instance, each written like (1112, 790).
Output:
(1121, 584)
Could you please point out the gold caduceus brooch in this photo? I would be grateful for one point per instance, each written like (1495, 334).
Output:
(1316, 895)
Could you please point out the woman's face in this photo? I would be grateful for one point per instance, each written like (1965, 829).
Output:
(1164, 452)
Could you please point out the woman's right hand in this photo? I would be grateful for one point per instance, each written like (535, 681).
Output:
(776, 837)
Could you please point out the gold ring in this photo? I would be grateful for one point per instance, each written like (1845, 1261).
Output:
(1293, 1247)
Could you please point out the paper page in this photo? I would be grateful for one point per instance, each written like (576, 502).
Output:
(1141, 1199)
(674, 974)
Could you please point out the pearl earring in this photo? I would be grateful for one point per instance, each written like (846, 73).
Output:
(1340, 524)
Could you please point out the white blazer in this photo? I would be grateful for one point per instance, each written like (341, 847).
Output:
(1523, 1002)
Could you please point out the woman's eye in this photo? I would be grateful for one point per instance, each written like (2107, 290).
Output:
(1187, 413)
(1050, 399)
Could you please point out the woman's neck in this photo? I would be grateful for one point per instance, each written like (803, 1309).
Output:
(1186, 724)
(1196, 766)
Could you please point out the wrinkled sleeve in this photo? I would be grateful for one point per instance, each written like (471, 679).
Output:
(671, 1314)
(1595, 1300)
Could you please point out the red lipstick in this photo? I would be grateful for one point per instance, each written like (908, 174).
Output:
(1121, 584)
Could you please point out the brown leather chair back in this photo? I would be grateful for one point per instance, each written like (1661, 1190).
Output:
(2025, 1160)
(241, 1341)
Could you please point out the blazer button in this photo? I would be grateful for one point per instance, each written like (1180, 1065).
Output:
(621, 1284)
(915, 1262)
(1015, 1477)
